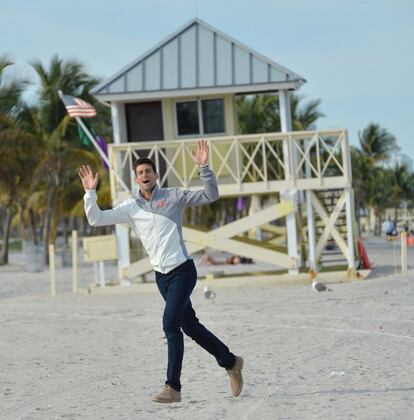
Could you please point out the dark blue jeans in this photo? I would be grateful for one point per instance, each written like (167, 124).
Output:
(176, 287)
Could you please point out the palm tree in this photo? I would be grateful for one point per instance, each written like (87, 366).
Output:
(254, 113)
(15, 157)
(260, 113)
(374, 185)
(361, 180)
(402, 188)
(57, 137)
(17, 160)
(377, 143)
(304, 116)
(380, 194)
(10, 93)
(63, 152)
(69, 77)
(56, 168)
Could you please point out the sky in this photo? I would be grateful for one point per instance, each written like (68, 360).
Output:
(356, 55)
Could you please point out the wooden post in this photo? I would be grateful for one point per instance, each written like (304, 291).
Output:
(289, 160)
(52, 269)
(95, 272)
(74, 261)
(309, 211)
(349, 201)
(403, 252)
(101, 274)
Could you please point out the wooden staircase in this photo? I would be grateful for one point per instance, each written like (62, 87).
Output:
(332, 256)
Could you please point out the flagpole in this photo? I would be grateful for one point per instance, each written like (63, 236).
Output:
(102, 154)
(99, 150)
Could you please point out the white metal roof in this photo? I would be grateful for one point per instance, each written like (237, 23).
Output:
(196, 59)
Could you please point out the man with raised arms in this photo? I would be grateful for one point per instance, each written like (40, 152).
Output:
(156, 216)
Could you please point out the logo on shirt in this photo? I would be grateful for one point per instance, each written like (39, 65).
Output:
(161, 204)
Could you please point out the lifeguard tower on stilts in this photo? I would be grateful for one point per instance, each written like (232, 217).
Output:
(185, 89)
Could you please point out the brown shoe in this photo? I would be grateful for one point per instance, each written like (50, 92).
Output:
(167, 395)
(236, 377)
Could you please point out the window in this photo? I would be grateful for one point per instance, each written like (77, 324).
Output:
(213, 116)
(187, 118)
(204, 116)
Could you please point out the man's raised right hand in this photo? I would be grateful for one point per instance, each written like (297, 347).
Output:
(89, 180)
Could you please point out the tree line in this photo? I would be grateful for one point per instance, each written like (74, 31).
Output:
(40, 151)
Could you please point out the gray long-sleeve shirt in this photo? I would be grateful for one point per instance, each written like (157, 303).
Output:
(157, 222)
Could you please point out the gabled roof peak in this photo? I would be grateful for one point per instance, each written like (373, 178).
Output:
(197, 56)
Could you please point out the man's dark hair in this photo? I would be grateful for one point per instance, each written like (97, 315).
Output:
(143, 161)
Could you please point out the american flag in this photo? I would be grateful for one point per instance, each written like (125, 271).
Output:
(77, 107)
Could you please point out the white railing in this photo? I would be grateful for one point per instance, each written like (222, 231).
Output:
(243, 164)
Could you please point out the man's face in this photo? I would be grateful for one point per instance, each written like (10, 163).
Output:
(146, 177)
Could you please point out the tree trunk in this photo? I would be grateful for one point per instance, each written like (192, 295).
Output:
(33, 225)
(379, 224)
(371, 220)
(83, 226)
(54, 227)
(22, 227)
(65, 229)
(47, 220)
(4, 255)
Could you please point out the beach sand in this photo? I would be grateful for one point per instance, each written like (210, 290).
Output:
(341, 354)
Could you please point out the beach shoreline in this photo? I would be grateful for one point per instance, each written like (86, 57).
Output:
(341, 354)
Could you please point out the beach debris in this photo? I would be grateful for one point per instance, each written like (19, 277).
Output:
(337, 372)
(209, 293)
(320, 287)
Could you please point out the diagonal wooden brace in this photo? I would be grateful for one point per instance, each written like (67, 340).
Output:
(220, 239)
(329, 222)
(233, 246)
